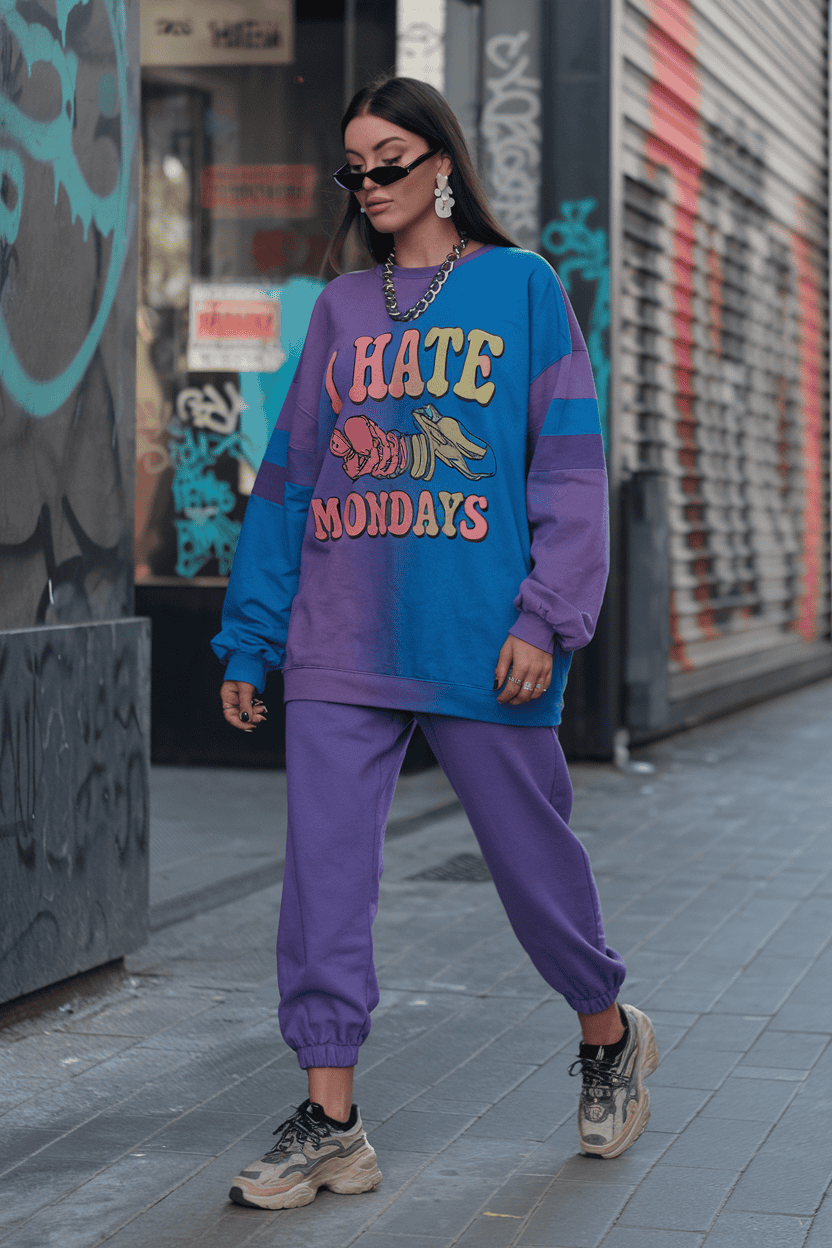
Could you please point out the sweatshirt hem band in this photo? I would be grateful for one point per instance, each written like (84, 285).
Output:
(316, 684)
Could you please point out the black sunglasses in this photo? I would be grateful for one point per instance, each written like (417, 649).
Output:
(384, 175)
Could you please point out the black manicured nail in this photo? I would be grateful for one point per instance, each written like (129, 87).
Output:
(496, 683)
(244, 716)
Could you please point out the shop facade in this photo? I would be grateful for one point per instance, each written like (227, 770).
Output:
(241, 108)
(668, 157)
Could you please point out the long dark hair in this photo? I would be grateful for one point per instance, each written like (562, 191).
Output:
(421, 110)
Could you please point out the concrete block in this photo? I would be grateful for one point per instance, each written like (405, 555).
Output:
(574, 1214)
(482, 1077)
(671, 1109)
(210, 1131)
(443, 1197)
(639, 1237)
(693, 1067)
(519, 1115)
(678, 1199)
(372, 1239)
(108, 1200)
(744, 1071)
(486, 1231)
(757, 1230)
(758, 1100)
(630, 1168)
(712, 1144)
(413, 1132)
(785, 1048)
(17, 1143)
(694, 1000)
(789, 1175)
(756, 926)
(74, 764)
(729, 1032)
(763, 987)
(806, 932)
(33, 1186)
(806, 1008)
(539, 1036)
(105, 1136)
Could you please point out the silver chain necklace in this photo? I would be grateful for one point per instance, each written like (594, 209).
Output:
(432, 290)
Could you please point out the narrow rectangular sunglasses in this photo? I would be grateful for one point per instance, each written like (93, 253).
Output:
(384, 175)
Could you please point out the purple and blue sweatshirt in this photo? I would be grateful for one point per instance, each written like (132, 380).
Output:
(429, 488)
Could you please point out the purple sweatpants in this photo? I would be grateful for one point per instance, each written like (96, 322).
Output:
(342, 763)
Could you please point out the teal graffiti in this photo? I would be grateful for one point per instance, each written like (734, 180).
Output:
(203, 529)
(51, 142)
(108, 95)
(587, 253)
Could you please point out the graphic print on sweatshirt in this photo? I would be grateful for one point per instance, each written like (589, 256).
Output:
(367, 450)
(429, 489)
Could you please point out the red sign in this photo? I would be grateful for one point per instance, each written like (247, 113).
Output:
(235, 320)
(230, 191)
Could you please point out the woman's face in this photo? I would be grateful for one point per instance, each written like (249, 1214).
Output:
(370, 141)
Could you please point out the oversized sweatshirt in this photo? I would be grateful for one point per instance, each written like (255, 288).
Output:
(429, 488)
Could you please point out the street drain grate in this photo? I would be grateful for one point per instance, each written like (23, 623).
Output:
(461, 869)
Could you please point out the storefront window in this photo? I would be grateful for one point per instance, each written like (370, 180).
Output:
(237, 207)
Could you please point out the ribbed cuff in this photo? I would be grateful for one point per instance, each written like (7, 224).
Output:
(248, 667)
(327, 1055)
(535, 631)
(597, 1005)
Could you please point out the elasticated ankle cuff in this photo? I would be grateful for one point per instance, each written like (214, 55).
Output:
(327, 1055)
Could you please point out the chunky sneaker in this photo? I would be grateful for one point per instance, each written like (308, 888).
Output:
(309, 1154)
(615, 1105)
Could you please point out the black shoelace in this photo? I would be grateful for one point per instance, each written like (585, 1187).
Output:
(599, 1077)
(298, 1129)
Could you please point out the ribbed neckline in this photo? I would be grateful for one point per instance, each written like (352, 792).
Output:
(399, 272)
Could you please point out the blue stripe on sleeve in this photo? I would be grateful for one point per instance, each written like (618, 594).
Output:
(571, 416)
(278, 447)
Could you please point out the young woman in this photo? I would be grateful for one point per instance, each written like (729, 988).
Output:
(426, 543)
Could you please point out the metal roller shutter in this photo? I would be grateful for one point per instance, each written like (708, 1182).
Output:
(723, 384)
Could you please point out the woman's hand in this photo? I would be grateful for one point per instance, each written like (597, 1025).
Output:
(525, 671)
(241, 706)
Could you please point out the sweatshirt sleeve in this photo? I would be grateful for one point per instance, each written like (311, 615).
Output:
(264, 577)
(566, 486)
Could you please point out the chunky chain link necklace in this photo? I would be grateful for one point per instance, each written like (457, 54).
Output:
(432, 290)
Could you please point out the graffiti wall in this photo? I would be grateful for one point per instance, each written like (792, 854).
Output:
(75, 707)
(68, 110)
(510, 118)
(73, 666)
(723, 329)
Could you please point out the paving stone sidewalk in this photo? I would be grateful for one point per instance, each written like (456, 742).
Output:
(125, 1120)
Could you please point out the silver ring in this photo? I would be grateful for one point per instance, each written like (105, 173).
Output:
(227, 708)
(538, 686)
(526, 685)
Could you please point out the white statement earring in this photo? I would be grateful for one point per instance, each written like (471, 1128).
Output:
(444, 199)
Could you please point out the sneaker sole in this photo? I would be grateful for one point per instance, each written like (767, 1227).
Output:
(649, 1061)
(362, 1176)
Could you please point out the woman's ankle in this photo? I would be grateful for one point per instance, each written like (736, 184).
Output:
(605, 1028)
(331, 1088)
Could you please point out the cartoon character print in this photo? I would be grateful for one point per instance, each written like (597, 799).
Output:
(367, 450)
